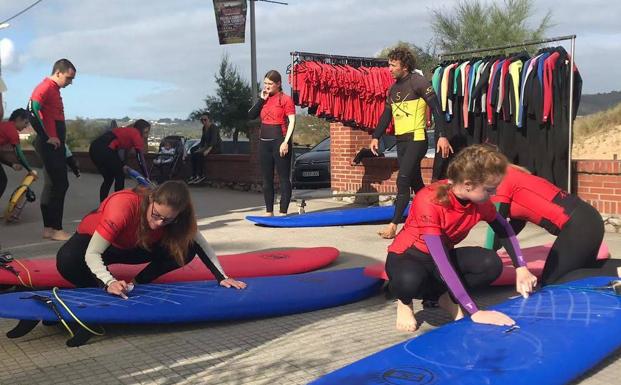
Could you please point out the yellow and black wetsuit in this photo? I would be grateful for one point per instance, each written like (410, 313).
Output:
(407, 103)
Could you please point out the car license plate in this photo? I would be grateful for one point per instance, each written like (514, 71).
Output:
(308, 174)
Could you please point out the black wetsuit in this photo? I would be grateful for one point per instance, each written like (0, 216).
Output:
(407, 103)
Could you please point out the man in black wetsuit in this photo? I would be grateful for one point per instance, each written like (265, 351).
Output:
(407, 103)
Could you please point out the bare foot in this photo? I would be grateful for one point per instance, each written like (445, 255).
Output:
(446, 303)
(47, 232)
(60, 235)
(405, 317)
(389, 232)
(269, 214)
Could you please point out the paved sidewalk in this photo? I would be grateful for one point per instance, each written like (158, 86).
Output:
(286, 350)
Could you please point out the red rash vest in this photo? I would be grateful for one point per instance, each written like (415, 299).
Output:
(117, 220)
(452, 222)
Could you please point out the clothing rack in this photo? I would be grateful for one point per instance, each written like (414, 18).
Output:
(456, 55)
(339, 59)
(354, 61)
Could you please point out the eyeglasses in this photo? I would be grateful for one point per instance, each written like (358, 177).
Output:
(158, 217)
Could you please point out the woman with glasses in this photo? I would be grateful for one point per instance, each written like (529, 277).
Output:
(277, 113)
(210, 144)
(104, 154)
(154, 226)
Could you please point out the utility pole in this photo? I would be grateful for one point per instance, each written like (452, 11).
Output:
(253, 49)
(253, 55)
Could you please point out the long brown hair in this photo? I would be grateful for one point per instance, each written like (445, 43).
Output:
(274, 76)
(179, 234)
(477, 163)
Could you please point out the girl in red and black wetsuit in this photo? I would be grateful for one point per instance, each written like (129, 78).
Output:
(275, 108)
(422, 261)
(9, 135)
(103, 153)
(579, 228)
(136, 226)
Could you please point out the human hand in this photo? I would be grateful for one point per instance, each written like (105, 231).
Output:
(284, 149)
(120, 288)
(264, 94)
(374, 146)
(17, 166)
(34, 174)
(525, 281)
(444, 147)
(230, 282)
(54, 142)
(492, 317)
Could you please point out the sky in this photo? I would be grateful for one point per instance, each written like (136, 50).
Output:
(157, 58)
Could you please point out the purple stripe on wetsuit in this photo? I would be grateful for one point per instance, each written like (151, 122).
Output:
(517, 251)
(440, 257)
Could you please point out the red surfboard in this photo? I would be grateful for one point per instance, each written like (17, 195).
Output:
(535, 257)
(42, 272)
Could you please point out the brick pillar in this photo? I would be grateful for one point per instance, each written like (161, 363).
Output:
(373, 174)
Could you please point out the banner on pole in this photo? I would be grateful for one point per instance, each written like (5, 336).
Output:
(230, 20)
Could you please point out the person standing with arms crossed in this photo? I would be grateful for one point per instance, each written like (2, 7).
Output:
(407, 103)
(48, 121)
(275, 108)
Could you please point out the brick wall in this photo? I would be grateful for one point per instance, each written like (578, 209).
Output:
(596, 181)
(599, 183)
(373, 174)
(225, 168)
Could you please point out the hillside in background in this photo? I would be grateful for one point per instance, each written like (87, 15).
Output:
(598, 136)
(590, 104)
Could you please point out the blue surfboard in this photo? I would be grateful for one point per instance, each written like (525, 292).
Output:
(198, 301)
(563, 331)
(331, 217)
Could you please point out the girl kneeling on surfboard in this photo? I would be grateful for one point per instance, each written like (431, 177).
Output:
(579, 228)
(422, 261)
(155, 226)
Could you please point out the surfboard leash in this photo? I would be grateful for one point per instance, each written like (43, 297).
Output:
(29, 284)
(76, 319)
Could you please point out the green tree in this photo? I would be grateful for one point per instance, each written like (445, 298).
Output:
(229, 107)
(425, 57)
(81, 132)
(473, 24)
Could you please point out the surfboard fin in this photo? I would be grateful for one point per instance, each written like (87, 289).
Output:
(23, 327)
(80, 337)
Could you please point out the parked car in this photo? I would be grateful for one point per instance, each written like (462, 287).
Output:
(391, 152)
(312, 169)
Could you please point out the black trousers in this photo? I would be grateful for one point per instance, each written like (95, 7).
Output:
(108, 164)
(269, 153)
(409, 155)
(3, 180)
(198, 159)
(577, 244)
(71, 263)
(55, 182)
(414, 274)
